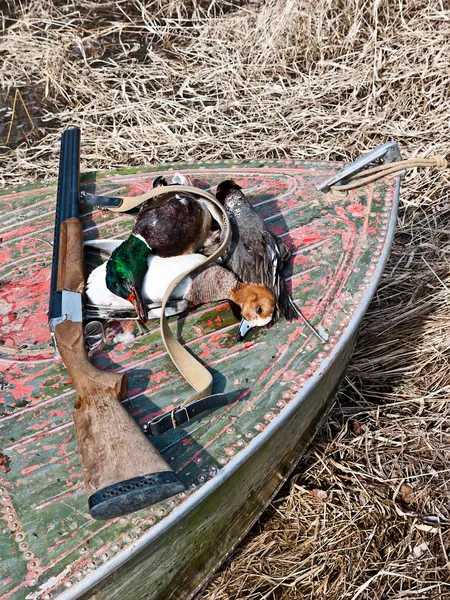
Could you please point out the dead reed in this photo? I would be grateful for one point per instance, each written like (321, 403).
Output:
(367, 514)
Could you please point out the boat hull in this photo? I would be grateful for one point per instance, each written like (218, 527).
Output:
(177, 562)
(232, 460)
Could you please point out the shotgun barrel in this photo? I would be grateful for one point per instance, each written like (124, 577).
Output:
(66, 208)
(122, 470)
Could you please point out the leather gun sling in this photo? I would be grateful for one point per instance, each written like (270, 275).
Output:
(190, 368)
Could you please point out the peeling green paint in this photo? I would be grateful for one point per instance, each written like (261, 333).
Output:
(47, 531)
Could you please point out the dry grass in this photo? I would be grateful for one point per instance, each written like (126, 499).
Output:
(367, 514)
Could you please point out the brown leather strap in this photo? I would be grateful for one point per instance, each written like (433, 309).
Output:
(192, 370)
(370, 175)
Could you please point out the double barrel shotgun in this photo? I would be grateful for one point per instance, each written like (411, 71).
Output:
(122, 470)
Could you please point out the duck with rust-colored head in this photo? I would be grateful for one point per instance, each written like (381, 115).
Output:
(254, 253)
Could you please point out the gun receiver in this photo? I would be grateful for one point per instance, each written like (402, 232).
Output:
(122, 470)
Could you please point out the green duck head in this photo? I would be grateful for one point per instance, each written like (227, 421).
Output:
(125, 273)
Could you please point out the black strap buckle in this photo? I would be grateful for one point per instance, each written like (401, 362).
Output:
(179, 416)
(176, 414)
(102, 201)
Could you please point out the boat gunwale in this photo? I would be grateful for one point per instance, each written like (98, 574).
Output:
(186, 506)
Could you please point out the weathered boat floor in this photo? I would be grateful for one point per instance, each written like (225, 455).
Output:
(49, 543)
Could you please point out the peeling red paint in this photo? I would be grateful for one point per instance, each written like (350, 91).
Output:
(329, 238)
(38, 426)
(356, 209)
(57, 413)
(28, 470)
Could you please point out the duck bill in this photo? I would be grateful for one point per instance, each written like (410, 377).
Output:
(136, 300)
(244, 328)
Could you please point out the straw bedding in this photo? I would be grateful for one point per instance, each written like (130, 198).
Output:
(367, 513)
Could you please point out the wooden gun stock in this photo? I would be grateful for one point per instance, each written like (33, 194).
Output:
(122, 470)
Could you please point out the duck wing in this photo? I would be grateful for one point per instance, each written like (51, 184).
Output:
(251, 263)
(278, 254)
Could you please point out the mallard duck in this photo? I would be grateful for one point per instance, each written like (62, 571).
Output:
(172, 224)
(208, 284)
(254, 254)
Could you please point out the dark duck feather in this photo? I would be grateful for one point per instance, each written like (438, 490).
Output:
(255, 255)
